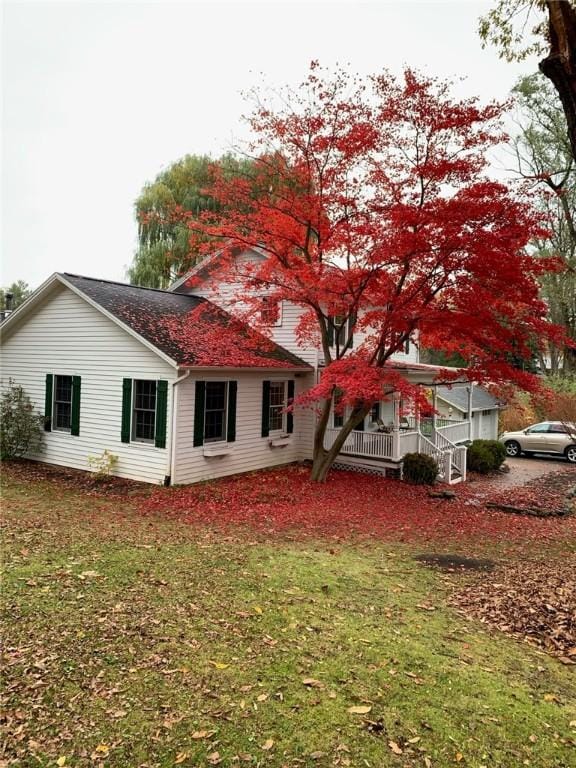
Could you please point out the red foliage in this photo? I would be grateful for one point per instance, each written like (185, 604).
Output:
(372, 203)
(287, 501)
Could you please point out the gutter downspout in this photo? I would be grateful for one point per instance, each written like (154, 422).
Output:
(172, 447)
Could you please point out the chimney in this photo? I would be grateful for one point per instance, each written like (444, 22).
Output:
(8, 299)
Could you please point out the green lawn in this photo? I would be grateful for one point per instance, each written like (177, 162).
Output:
(135, 641)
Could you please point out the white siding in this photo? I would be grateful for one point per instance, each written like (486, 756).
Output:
(65, 335)
(250, 451)
(228, 295)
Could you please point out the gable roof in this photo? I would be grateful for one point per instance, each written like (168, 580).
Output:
(482, 400)
(191, 331)
(203, 268)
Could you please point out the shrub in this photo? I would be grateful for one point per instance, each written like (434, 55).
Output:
(21, 429)
(485, 456)
(104, 464)
(420, 469)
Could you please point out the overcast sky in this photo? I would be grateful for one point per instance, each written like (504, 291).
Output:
(99, 97)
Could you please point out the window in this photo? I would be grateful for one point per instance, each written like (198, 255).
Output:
(539, 428)
(559, 429)
(215, 411)
(144, 412)
(62, 404)
(62, 413)
(270, 312)
(276, 418)
(374, 415)
(337, 418)
(276, 397)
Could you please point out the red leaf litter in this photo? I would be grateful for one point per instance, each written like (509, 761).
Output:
(285, 500)
(548, 495)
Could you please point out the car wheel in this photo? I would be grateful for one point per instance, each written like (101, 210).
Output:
(512, 448)
(570, 453)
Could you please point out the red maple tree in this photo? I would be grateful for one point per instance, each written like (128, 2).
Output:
(372, 204)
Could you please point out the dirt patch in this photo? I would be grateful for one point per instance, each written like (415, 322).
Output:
(75, 479)
(455, 563)
(534, 601)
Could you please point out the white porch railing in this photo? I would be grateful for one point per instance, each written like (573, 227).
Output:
(380, 445)
(455, 431)
(377, 445)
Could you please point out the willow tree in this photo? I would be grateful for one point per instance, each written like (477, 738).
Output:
(164, 250)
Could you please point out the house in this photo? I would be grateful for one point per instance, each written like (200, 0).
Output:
(391, 429)
(102, 362)
(181, 391)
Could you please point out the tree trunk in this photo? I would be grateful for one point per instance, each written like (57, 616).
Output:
(323, 459)
(560, 64)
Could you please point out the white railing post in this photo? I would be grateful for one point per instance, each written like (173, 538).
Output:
(470, 392)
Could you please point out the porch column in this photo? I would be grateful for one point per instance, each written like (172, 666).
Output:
(396, 426)
(434, 416)
(470, 392)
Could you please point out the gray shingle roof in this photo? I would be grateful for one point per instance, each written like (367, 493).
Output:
(188, 329)
(482, 400)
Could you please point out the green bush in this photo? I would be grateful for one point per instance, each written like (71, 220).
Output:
(21, 428)
(420, 469)
(485, 456)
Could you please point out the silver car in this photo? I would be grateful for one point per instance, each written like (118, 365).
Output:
(553, 437)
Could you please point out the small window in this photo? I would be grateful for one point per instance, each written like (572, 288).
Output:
(215, 411)
(62, 413)
(374, 414)
(487, 412)
(277, 418)
(270, 312)
(144, 412)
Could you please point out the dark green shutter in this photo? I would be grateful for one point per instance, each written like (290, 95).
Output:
(75, 418)
(48, 403)
(265, 408)
(351, 324)
(199, 400)
(290, 414)
(330, 325)
(161, 414)
(126, 409)
(231, 428)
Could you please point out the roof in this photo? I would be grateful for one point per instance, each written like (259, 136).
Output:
(191, 331)
(482, 400)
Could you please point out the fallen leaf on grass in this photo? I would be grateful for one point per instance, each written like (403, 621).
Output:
(214, 758)
(458, 757)
(180, 757)
(268, 744)
(361, 710)
(202, 734)
(395, 748)
(262, 697)
(61, 761)
(219, 664)
(317, 755)
(550, 697)
(310, 682)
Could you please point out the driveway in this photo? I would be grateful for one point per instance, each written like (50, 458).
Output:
(524, 470)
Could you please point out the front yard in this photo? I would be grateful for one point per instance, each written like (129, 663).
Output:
(269, 622)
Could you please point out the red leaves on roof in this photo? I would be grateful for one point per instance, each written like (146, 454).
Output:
(208, 336)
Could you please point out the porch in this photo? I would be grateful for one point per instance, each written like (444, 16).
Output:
(444, 445)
